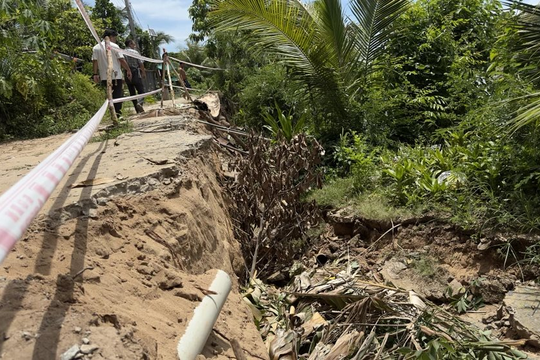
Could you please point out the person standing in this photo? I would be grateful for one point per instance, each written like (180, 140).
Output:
(183, 74)
(100, 64)
(138, 73)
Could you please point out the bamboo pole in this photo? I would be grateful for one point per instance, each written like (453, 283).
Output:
(109, 80)
(163, 77)
(170, 82)
(183, 84)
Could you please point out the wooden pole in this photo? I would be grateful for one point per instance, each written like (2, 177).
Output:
(109, 81)
(170, 82)
(163, 77)
(183, 84)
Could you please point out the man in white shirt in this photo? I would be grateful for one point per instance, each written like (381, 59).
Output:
(100, 64)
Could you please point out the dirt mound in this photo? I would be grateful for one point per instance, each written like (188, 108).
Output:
(119, 279)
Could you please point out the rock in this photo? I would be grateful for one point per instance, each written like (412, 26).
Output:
(145, 270)
(91, 276)
(187, 295)
(86, 341)
(27, 336)
(168, 281)
(484, 244)
(393, 268)
(88, 349)
(77, 329)
(491, 290)
(70, 353)
(457, 287)
(342, 222)
(523, 305)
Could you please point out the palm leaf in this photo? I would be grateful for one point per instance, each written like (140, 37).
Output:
(280, 27)
(372, 26)
(527, 114)
(528, 26)
(333, 33)
(290, 31)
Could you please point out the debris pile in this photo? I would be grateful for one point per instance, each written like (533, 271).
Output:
(337, 315)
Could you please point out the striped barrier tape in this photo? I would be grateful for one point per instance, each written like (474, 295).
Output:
(87, 20)
(135, 97)
(137, 56)
(191, 89)
(22, 202)
(195, 65)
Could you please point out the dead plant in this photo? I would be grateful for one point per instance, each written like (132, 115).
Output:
(268, 198)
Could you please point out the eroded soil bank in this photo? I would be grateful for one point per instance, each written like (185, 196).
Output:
(119, 272)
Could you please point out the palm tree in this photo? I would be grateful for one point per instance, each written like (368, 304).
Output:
(160, 38)
(331, 53)
(528, 26)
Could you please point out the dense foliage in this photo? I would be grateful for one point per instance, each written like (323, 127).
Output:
(414, 100)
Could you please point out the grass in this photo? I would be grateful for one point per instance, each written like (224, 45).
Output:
(425, 266)
(374, 205)
(112, 133)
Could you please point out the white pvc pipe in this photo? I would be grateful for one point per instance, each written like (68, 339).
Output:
(204, 318)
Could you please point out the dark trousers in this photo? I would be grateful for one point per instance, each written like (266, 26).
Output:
(136, 83)
(117, 92)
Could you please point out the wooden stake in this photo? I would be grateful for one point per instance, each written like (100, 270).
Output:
(163, 77)
(170, 82)
(109, 80)
(183, 84)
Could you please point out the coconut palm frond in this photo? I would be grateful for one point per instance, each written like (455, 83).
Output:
(528, 114)
(528, 27)
(278, 27)
(372, 26)
(288, 30)
(333, 32)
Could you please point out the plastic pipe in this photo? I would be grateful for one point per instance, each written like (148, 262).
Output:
(204, 318)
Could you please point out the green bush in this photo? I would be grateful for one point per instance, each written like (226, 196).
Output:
(261, 91)
(46, 97)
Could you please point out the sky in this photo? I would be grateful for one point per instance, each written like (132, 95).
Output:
(171, 17)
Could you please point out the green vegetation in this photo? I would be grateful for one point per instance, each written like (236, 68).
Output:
(114, 131)
(423, 106)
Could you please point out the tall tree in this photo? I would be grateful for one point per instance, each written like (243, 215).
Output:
(111, 17)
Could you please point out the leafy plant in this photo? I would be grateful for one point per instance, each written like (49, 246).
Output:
(284, 126)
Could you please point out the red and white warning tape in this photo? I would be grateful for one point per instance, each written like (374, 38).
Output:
(137, 56)
(194, 65)
(22, 202)
(87, 20)
(135, 97)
